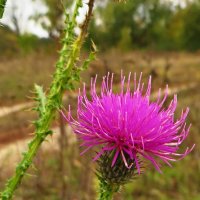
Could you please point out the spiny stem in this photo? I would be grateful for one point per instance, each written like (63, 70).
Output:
(65, 69)
(106, 190)
(2, 7)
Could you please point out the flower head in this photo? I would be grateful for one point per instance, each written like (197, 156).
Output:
(129, 124)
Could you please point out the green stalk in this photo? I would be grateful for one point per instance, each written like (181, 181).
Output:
(106, 190)
(2, 7)
(62, 79)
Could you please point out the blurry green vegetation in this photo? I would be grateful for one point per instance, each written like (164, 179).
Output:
(8, 42)
(152, 24)
(29, 42)
(191, 27)
(138, 24)
(2, 7)
(13, 45)
(18, 75)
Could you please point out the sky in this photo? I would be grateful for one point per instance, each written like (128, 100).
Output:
(24, 9)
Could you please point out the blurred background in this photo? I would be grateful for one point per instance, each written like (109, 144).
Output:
(157, 37)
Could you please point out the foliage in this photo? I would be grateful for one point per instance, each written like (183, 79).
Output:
(151, 24)
(138, 24)
(13, 45)
(191, 27)
(9, 42)
(2, 7)
(28, 42)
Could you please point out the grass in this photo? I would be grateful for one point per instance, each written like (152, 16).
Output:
(19, 74)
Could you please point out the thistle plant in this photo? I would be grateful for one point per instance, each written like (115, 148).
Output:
(126, 128)
(66, 73)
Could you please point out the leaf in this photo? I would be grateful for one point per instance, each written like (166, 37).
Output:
(41, 98)
(91, 57)
(2, 7)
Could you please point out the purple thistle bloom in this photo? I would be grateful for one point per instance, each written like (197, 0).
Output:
(128, 123)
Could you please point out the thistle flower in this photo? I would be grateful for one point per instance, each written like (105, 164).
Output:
(129, 124)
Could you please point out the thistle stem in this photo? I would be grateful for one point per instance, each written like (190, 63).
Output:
(106, 191)
(63, 76)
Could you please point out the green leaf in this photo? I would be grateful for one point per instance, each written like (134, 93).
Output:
(91, 57)
(41, 98)
(2, 7)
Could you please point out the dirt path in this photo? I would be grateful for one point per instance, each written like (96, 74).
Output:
(6, 110)
(16, 108)
(11, 153)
